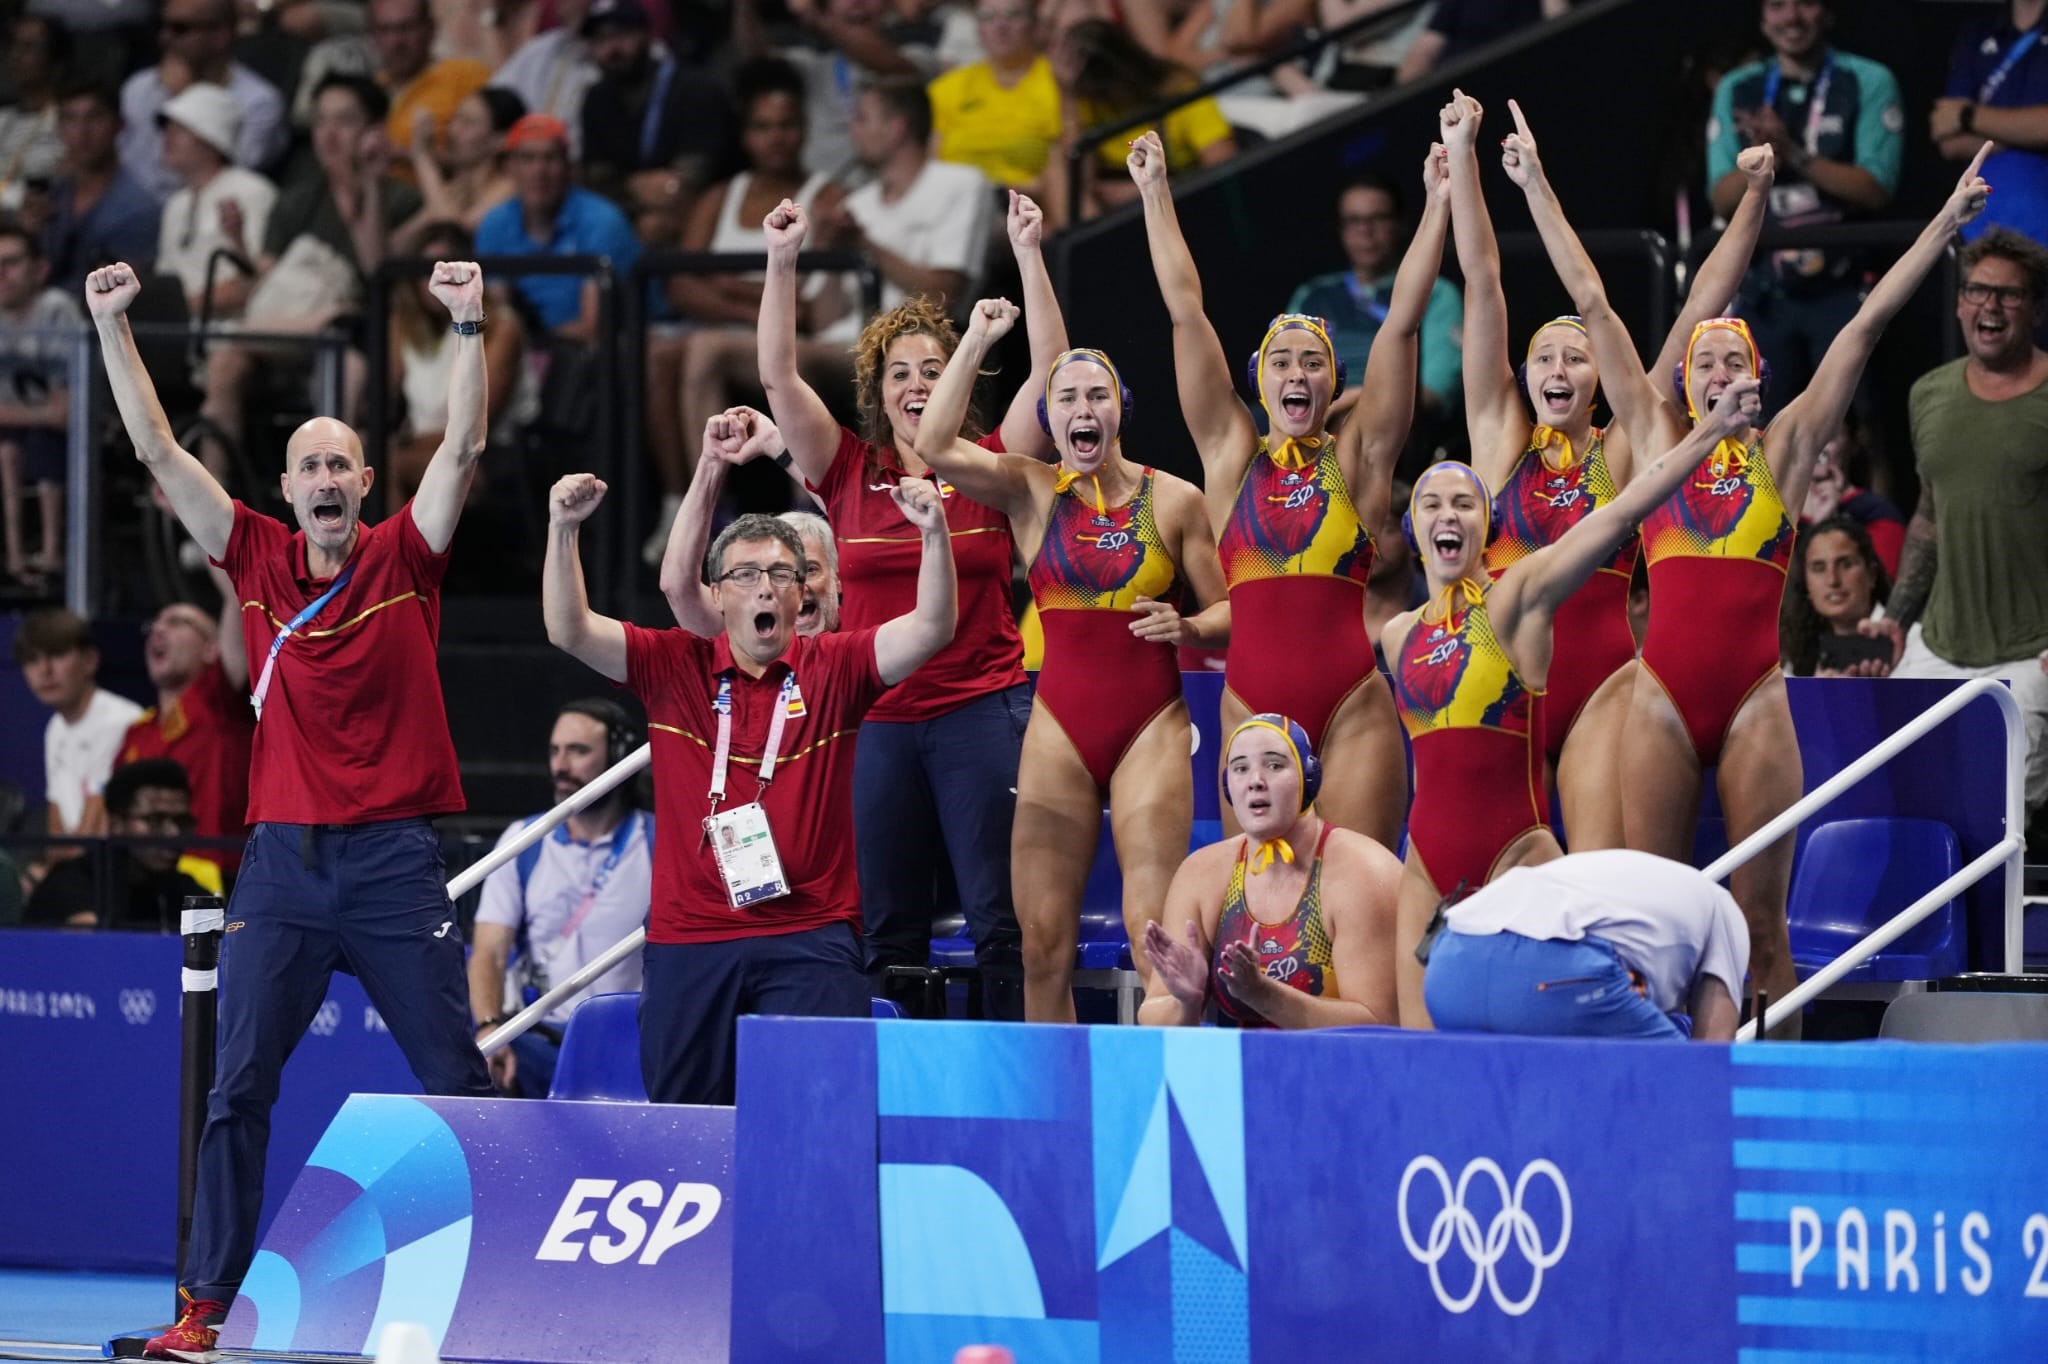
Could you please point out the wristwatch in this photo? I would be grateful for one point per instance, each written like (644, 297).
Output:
(475, 328)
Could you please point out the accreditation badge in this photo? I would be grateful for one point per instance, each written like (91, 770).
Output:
(747, 860)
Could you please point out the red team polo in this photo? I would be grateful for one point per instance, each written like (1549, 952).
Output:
(353, 728)
(879, 553)
(207, 731)
(810, 798)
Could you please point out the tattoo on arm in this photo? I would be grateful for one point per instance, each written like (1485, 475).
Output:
(1916, 567)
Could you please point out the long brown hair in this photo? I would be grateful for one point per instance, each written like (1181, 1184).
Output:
(1799, 624)
(918, 316)
(436, 241)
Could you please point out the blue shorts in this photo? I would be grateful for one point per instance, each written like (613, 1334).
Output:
(1532, 987)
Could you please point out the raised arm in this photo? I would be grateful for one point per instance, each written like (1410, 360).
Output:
(1637, 402)
(234, 656)
(807, 424)
(444, 488)
(1045, 326)
(903, 644)
(1494, 419)
(1715, 284)
(731, 437)
(1372, 440)
(1810, 420)
(596, 641)
(992, 479)
(199, 502)
(1225, 437)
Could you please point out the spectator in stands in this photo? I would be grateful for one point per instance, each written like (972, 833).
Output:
(1374, 231)
(402, 32)
(146, 799)
(552, 217)
(461, 176)
(1972, 590)
(1457, 28)
(423, 354)
(1000, 115)
(35, 402)
(219, 206)
(733, 437)
(853, 46)
(1638, 938)
(60, 661)
(1103, 72)
(1998, 91)
(1834, 122)
(1838, 586)
(552, 71)
(327, 233)
(796, 949)
(1259, 930)
(201, 717)
(718, 357)
(30, 149)
(97, 212)
(925, 223)
(1831, 494)
(565, 900)
(656, 129)
(198, 46)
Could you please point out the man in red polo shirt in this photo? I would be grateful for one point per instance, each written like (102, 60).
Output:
(351, 761)
(756, 906)
(201, 717)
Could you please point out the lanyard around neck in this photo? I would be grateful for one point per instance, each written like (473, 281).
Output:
(722, 703)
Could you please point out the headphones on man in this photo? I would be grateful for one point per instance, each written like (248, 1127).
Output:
(1305, 759)
(1316, 325)
(1740, 328)
(1123, 390)
(621, 735)
(1492, 503)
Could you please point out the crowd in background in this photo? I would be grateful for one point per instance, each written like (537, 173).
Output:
(259, 162)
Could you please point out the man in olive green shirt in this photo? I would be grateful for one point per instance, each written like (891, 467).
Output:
(1972, 594)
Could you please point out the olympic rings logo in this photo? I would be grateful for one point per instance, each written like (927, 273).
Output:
(327, 1019)
(1512, 1223)
(138, 1006)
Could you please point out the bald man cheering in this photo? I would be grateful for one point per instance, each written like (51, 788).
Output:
(352, 760)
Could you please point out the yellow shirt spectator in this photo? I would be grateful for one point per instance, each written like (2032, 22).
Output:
(1187, 132)
(437, 89)
(1006, 132)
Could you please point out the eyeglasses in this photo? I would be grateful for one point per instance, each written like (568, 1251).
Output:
(999, 16)
(2008, 296)
(749, 575)
(1368, 219)
(179, 28)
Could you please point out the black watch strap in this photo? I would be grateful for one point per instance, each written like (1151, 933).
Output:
(475, 328)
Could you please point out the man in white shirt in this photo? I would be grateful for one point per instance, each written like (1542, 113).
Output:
(1596, 944)
(59, 660)
(220, 204)
(564, 900)
(198, 39)
(925, 222)
(553, 70)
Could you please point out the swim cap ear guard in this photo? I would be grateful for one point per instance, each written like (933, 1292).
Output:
(1307, 323)
(1306, 763)
(1123, 391)
(1492, 504)
(1733, 324)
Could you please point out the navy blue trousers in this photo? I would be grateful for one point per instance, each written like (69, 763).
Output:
(692, 996)
(929, 792)
(370, 899)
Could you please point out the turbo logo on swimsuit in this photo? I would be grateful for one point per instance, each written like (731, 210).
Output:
(1513, 1222)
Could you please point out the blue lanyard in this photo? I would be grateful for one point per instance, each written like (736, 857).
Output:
(650, 122)
(2012, 58)
(622, 840)
(1365, 300)
(311, 610)
(1816, 102)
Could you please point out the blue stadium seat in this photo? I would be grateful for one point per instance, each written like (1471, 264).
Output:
(1853, 875)
(885, 1008)
(601, 1052)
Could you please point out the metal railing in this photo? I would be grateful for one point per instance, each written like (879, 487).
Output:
(2009, 851)
(102, 853)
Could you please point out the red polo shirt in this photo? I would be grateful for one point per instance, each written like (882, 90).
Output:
(879, 553)
(353, 728)
(810, 797)
(208, 731)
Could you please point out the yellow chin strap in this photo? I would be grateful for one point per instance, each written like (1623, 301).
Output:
(1269, 848)
(1446, 601)
(1546, 438)
(1066, 479)
(1731, 456)
(1291, 453)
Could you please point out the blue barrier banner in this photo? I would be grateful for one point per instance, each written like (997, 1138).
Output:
(89, 1027)
(511, 1229)
(1185, 1196)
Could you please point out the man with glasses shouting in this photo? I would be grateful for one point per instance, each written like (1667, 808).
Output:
(1971, 599)
(756, 907)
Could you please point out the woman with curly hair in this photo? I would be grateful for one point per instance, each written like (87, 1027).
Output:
(1840, 584)
(935, 775)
